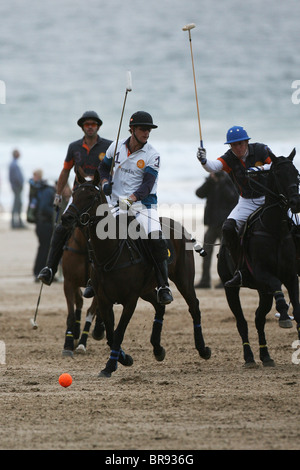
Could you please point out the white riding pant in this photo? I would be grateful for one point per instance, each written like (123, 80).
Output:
(244, 208)
(148, 218)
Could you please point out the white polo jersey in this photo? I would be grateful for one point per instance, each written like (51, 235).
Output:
(130, 168)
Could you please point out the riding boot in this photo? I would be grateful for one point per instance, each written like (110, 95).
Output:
(164, 294)
(59, 239)
(231, 239)
(159, 251)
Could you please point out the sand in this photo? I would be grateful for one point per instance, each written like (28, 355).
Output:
(182, 403)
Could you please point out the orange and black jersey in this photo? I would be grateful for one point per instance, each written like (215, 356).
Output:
(80, 155)
(258, 154)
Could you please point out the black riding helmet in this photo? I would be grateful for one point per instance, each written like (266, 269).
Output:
(89, 115)
(141, 118)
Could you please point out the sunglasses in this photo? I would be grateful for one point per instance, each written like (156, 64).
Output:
(90, 124)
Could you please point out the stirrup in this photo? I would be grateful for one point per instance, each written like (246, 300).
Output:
(236, 281)
(164, 295)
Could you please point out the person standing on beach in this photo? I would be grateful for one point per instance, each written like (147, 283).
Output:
(16, 180)
(240, 157)
(221, 197)
(44, 217)
(84, 155)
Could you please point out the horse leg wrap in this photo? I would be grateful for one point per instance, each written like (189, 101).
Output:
(85, 333)
(248, 354)
(112, 363)
(156, 336)
(281, 304)
(199, 341)
(204, 351)
(69, 341)
(125, 359)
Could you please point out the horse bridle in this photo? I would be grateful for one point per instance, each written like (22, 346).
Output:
(83, 216)
(281, 198)
(292, 190)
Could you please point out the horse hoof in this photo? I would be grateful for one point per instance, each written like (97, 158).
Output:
(268, 362)
(81, 349)
(67, 353)
(206, 354)
(251, 365)
(161, 355)
(127, 361)
(285, 323)
(98, 336)
(104, 374)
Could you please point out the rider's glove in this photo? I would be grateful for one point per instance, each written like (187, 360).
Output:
(57, 200)
(125, 204)
(201, 155)
(107, 188)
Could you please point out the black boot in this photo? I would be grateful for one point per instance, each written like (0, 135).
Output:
(59, 239)
(159, 251)
(164, 294)
(231, 239)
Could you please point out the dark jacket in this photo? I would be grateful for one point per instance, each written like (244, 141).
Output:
(45, 210)
(258, 155)
(221, 197)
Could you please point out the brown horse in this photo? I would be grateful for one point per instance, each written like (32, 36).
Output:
(76, 266)
(123, 272)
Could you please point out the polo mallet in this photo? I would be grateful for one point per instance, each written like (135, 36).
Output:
(188, 28)
(128, 88)
(33, 320)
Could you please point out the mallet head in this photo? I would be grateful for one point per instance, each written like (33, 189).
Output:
(33, 324)
(188, 27)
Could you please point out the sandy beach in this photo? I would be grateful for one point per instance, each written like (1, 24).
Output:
(182, 403)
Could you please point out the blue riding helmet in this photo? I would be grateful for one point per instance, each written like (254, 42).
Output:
(236, 134)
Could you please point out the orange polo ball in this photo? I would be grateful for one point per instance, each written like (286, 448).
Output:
(65, 380)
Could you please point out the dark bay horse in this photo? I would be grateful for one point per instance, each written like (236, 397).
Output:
(270, 255)
(76, 267)
(122, 273)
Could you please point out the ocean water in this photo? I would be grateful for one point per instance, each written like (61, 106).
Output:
(59, 58)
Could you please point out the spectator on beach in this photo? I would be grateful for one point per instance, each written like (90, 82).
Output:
(42, 197)
(66, 195)
(221, 197)
(16, 180)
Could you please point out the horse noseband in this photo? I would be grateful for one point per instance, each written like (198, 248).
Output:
(84, 218)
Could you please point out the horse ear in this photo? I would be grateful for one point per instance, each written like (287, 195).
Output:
(272, 156)
(96, 179)
(79, 176)
(292, 154)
